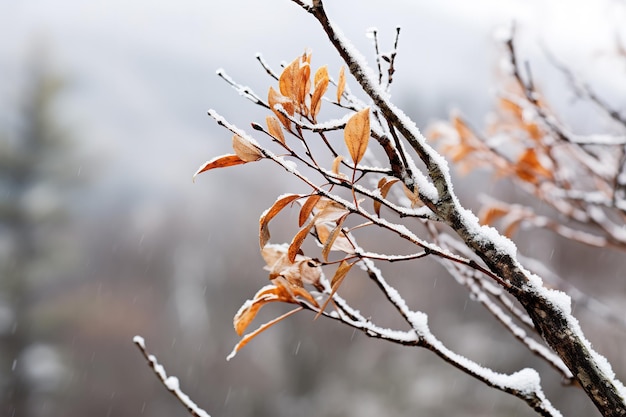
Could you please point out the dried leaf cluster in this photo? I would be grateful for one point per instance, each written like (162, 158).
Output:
(537, 155)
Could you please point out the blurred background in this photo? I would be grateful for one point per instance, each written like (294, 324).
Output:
(104, 236)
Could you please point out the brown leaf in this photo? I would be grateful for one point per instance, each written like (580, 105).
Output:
(274, 129)
(273, 98)
(357, 134)
(245, 149)
(298, 239)
(303, 270)
(219, 162)
(307, 208)
(340, 275)
(341, 243)
(329, 210)
(413, 196)
(341, 83)
(279, 204)
(384, 186)
(332, 237)
(321, 84)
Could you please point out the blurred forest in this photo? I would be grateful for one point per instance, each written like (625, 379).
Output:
(98, 244)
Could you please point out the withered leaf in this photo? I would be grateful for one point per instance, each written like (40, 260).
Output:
(357, 134)
(413, 196)
(274, 98)
(529, 168)
(222, 161)
(269, 214)
(247, 338)
(321, 84)
(246, 150)
(384, 185)
(298, 239)
(332, 237)
(340, 275)
(289, 80)
(304, 85)
(329, 210)
(250, 308)
(307, 208)
(341, 83)
(274, 129)
(336, 164)
(491, 214)
(341, 242)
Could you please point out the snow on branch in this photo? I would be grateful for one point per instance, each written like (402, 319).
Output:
(349, 194)
(169, 382)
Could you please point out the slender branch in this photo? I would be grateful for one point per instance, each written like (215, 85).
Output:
(169, 382)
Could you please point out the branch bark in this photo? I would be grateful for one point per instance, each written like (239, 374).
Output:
(552, 319)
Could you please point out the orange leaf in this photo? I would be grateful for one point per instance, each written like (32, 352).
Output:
(220, 162)
(269, 214)
(307, 208)
(528, 167)
(288, 81)
(247, 338)
(274, 129)
(491, 214)
(250, 308)
(341, 84)
(245, 149)
(357, 134)
(304, 85)
(274, 98)
(321, 84)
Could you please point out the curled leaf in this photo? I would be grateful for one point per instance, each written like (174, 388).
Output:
(341, 83)
(357, 134)
(384, 185)
(245, 149)
(269, 214)
(222, 161)
(336, 163)
(332, 237)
